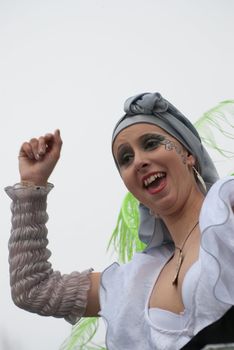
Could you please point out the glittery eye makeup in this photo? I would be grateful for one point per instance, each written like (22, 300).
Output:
(170, 145)
(151, 141)
(147, 143)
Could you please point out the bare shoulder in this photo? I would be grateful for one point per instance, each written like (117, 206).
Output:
(93, 305)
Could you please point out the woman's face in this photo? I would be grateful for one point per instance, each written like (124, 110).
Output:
(155, 167)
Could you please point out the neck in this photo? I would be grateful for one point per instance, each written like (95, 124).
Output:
(182, 221)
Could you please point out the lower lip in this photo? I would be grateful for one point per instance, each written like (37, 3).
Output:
(159, 188)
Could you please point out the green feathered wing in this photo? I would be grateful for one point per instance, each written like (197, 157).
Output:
(216, 128)
(82, 334)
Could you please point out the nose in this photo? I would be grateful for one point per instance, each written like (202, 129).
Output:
(141, 162)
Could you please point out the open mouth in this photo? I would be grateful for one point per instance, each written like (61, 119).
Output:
(155, 180)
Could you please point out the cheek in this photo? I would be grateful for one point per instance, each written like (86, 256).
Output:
(129, 182)
(172, 149)
(176, 159)
(126, 178)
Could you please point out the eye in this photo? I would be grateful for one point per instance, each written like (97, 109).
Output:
(153, 142)
(125, 157)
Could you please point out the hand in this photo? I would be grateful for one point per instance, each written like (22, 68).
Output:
(38, 157)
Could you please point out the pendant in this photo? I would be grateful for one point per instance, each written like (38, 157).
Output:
(178, 266)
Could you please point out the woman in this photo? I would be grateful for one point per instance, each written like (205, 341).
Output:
(182, 282)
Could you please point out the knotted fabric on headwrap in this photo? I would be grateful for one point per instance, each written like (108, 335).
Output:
(152, 108)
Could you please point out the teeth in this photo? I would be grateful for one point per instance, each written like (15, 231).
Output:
(152, 178)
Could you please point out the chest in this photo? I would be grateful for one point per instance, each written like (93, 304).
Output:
(125, 299)
(167, 295)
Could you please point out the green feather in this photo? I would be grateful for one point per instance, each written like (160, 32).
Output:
(125, 235)
(216, 123)
(81, 335)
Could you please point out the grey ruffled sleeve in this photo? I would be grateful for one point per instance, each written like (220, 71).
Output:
(35, 287)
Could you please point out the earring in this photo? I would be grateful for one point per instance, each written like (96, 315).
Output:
(200, 179)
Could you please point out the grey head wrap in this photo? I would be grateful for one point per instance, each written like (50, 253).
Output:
(152, 108)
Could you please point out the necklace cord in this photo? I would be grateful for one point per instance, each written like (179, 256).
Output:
(186, 238)
(181, 258)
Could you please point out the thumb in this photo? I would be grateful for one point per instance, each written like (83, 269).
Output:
(57, 138)
(54, 144)
(57, 144)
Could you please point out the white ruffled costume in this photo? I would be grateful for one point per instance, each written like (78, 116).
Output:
(207, 291)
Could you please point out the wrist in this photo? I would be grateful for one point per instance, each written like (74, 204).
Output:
(33, 183)
(29, 192)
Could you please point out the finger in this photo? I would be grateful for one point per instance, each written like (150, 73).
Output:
(26, 151)
(35, 147)
(58, 139)
(42, 146)
(49, 141)
(53, 137)
(54, 143)
(57, 144)
(48, 137)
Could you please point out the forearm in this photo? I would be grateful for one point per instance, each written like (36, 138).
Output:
(34, 285)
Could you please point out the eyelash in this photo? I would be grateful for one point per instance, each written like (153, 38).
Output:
(153, 142)
(124, 158)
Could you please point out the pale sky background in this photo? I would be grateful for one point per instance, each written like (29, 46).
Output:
(70, 65)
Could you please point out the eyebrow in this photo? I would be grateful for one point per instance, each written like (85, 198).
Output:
(141, 138)
(147, 135)
(120, 147)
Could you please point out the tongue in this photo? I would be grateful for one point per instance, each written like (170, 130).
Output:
(156, 183)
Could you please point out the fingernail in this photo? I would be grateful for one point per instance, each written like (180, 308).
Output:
(41, 151)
